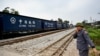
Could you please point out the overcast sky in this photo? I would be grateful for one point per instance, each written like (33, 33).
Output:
(72, 10)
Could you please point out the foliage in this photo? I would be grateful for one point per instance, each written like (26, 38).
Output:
(16, 13)
(84, 22)
(98, 47)
(13, 11)
(60, 20)
(94, 33)
(66, 21)
(6, 10)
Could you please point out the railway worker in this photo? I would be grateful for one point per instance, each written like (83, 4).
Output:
(83, 40)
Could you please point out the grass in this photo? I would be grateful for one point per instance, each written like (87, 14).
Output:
(98, 47)
(94, 33)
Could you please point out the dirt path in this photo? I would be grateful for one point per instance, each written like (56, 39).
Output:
(71, 50)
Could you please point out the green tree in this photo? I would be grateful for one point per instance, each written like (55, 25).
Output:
(66, 21)
(12, 11)
(60, 20)
(6, 10)
(16, 12)
(84, 22)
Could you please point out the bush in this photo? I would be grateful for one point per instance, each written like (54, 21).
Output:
(94, 33)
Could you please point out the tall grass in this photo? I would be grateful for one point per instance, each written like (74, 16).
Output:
(94, 33)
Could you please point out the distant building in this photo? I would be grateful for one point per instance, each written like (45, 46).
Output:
(94, 24)
(97, 24)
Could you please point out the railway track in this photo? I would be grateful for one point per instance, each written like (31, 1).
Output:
(49, 45)
(57, 48)
(24, 38)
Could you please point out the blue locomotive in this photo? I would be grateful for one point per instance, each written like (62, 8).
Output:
(10, 23)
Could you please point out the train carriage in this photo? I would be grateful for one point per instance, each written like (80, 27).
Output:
(59, 25)
(10, 23)
(65, 25)
(48, 25)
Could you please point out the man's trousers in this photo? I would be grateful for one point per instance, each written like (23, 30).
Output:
(83, 52)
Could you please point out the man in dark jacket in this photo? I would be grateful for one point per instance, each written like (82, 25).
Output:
(83, 40)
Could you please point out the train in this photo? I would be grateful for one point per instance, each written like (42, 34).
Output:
(11, 23)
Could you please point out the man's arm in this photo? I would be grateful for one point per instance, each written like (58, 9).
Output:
(87, 38)
(75, 35)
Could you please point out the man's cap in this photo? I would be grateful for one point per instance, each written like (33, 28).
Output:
(79, 25)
